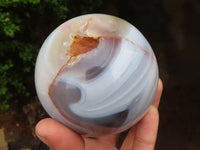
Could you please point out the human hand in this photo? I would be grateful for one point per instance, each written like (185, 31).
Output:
(142, 136)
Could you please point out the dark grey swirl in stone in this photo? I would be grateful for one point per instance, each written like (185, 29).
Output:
(63, 94)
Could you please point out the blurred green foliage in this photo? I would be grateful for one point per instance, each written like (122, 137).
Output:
(24, 24)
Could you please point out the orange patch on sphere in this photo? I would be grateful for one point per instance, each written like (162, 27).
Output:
(81, 45)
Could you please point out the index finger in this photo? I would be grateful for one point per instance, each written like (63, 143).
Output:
(158, 93)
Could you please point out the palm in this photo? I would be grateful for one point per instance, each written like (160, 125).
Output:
(101, 143)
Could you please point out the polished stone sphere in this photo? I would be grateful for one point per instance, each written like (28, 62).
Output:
(97, 74)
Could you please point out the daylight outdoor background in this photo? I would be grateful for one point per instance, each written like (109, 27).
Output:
(170, 26)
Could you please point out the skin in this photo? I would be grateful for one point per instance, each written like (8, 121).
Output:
(142, 136)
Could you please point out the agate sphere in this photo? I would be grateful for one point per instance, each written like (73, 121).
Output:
(97, 74)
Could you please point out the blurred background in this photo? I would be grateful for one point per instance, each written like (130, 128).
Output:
(170, 26)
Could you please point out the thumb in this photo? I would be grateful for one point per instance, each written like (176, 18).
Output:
(57, 136)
